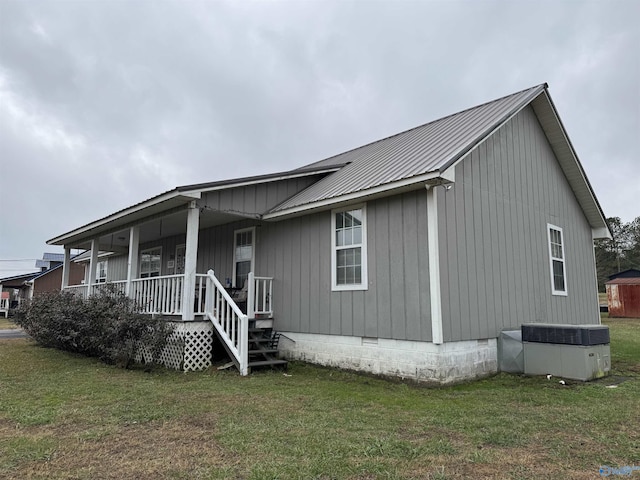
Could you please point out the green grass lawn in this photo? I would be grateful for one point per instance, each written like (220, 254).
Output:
(64, 416)
(7, 324)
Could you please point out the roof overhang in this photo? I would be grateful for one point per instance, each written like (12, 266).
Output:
(161, 204)
(384, 190)
(167, 203)
(556, 134)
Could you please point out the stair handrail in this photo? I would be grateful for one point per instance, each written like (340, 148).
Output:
(225, 315)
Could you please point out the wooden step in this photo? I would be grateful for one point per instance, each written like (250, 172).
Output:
(265, 351)
(264, 363)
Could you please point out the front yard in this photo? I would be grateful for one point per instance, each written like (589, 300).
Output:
(65, 416)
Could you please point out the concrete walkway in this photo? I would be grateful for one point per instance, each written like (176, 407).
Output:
(13, 333)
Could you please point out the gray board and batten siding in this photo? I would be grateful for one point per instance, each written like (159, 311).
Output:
(396, 305)
(493, 238)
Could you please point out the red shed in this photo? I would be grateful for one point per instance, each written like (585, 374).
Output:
(623, 295)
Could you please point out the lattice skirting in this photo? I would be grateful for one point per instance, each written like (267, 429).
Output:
(188, 349)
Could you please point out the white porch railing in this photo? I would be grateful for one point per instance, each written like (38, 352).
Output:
(259, 297)
(231, 324)
(163, 295)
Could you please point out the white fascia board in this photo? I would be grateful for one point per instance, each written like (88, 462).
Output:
(359, 195)
(601, 233)
(574, 162)
(183, 196)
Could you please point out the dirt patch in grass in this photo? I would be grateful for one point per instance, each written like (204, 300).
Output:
(185, 448)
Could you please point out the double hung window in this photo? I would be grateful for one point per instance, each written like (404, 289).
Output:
(101, 271)
(349, 249)
(557, 260)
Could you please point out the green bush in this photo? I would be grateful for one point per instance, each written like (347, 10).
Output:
(107, 325)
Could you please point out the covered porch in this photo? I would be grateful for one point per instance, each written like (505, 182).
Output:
(156, 257)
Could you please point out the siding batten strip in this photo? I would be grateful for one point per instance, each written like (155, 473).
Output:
(434, 266)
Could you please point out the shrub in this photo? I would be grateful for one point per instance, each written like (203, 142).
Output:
(107, 325)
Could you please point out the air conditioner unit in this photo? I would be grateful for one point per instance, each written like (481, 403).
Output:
(578, 352)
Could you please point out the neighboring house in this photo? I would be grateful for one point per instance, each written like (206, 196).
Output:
(17, 286)
(404, 257)
(51, 280)
(47, 279)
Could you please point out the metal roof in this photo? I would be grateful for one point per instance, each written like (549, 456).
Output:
(624, 281)
(53, 257)
(432, 147)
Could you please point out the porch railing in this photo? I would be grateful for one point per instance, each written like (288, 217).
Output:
(230, 322)
(259, 297)
(154, 295)
(163, 295)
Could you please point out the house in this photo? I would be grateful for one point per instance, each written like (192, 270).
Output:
(407, 256)
(48, 279)
(17, 288)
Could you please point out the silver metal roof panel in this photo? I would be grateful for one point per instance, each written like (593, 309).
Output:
(428, 148)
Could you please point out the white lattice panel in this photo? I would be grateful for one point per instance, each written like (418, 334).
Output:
(198, 338)
(188, 348)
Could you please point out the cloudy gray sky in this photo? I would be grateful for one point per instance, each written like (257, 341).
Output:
(106, 103)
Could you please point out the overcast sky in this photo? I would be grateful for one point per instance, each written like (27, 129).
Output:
(106, 103)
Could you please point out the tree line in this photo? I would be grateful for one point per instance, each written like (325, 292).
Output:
(620, 253)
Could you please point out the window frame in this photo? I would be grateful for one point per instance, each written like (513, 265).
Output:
(253, 252)
(148, 250)
(552, 259)
(100, 279)
(364, 282)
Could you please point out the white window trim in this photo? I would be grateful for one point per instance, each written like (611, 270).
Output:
(147, 250)
(253, 251)
(562, 293)
(106, 271)
(364, 285)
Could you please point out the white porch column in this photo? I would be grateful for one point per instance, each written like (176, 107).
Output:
(93, 263)
(190, 260)
(132, 263)
(434, 266)
(66, 266)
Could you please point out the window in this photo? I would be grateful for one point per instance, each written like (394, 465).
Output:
(101, 272)
(150, 262)
(242, 255)
(349, 252)
(556, 259)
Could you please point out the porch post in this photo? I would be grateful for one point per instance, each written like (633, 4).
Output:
(434, 265)
(190, 260)
(132, 264)
(93, 263)
(66, 266)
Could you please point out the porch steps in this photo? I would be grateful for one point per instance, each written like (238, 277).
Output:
(263, 348)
